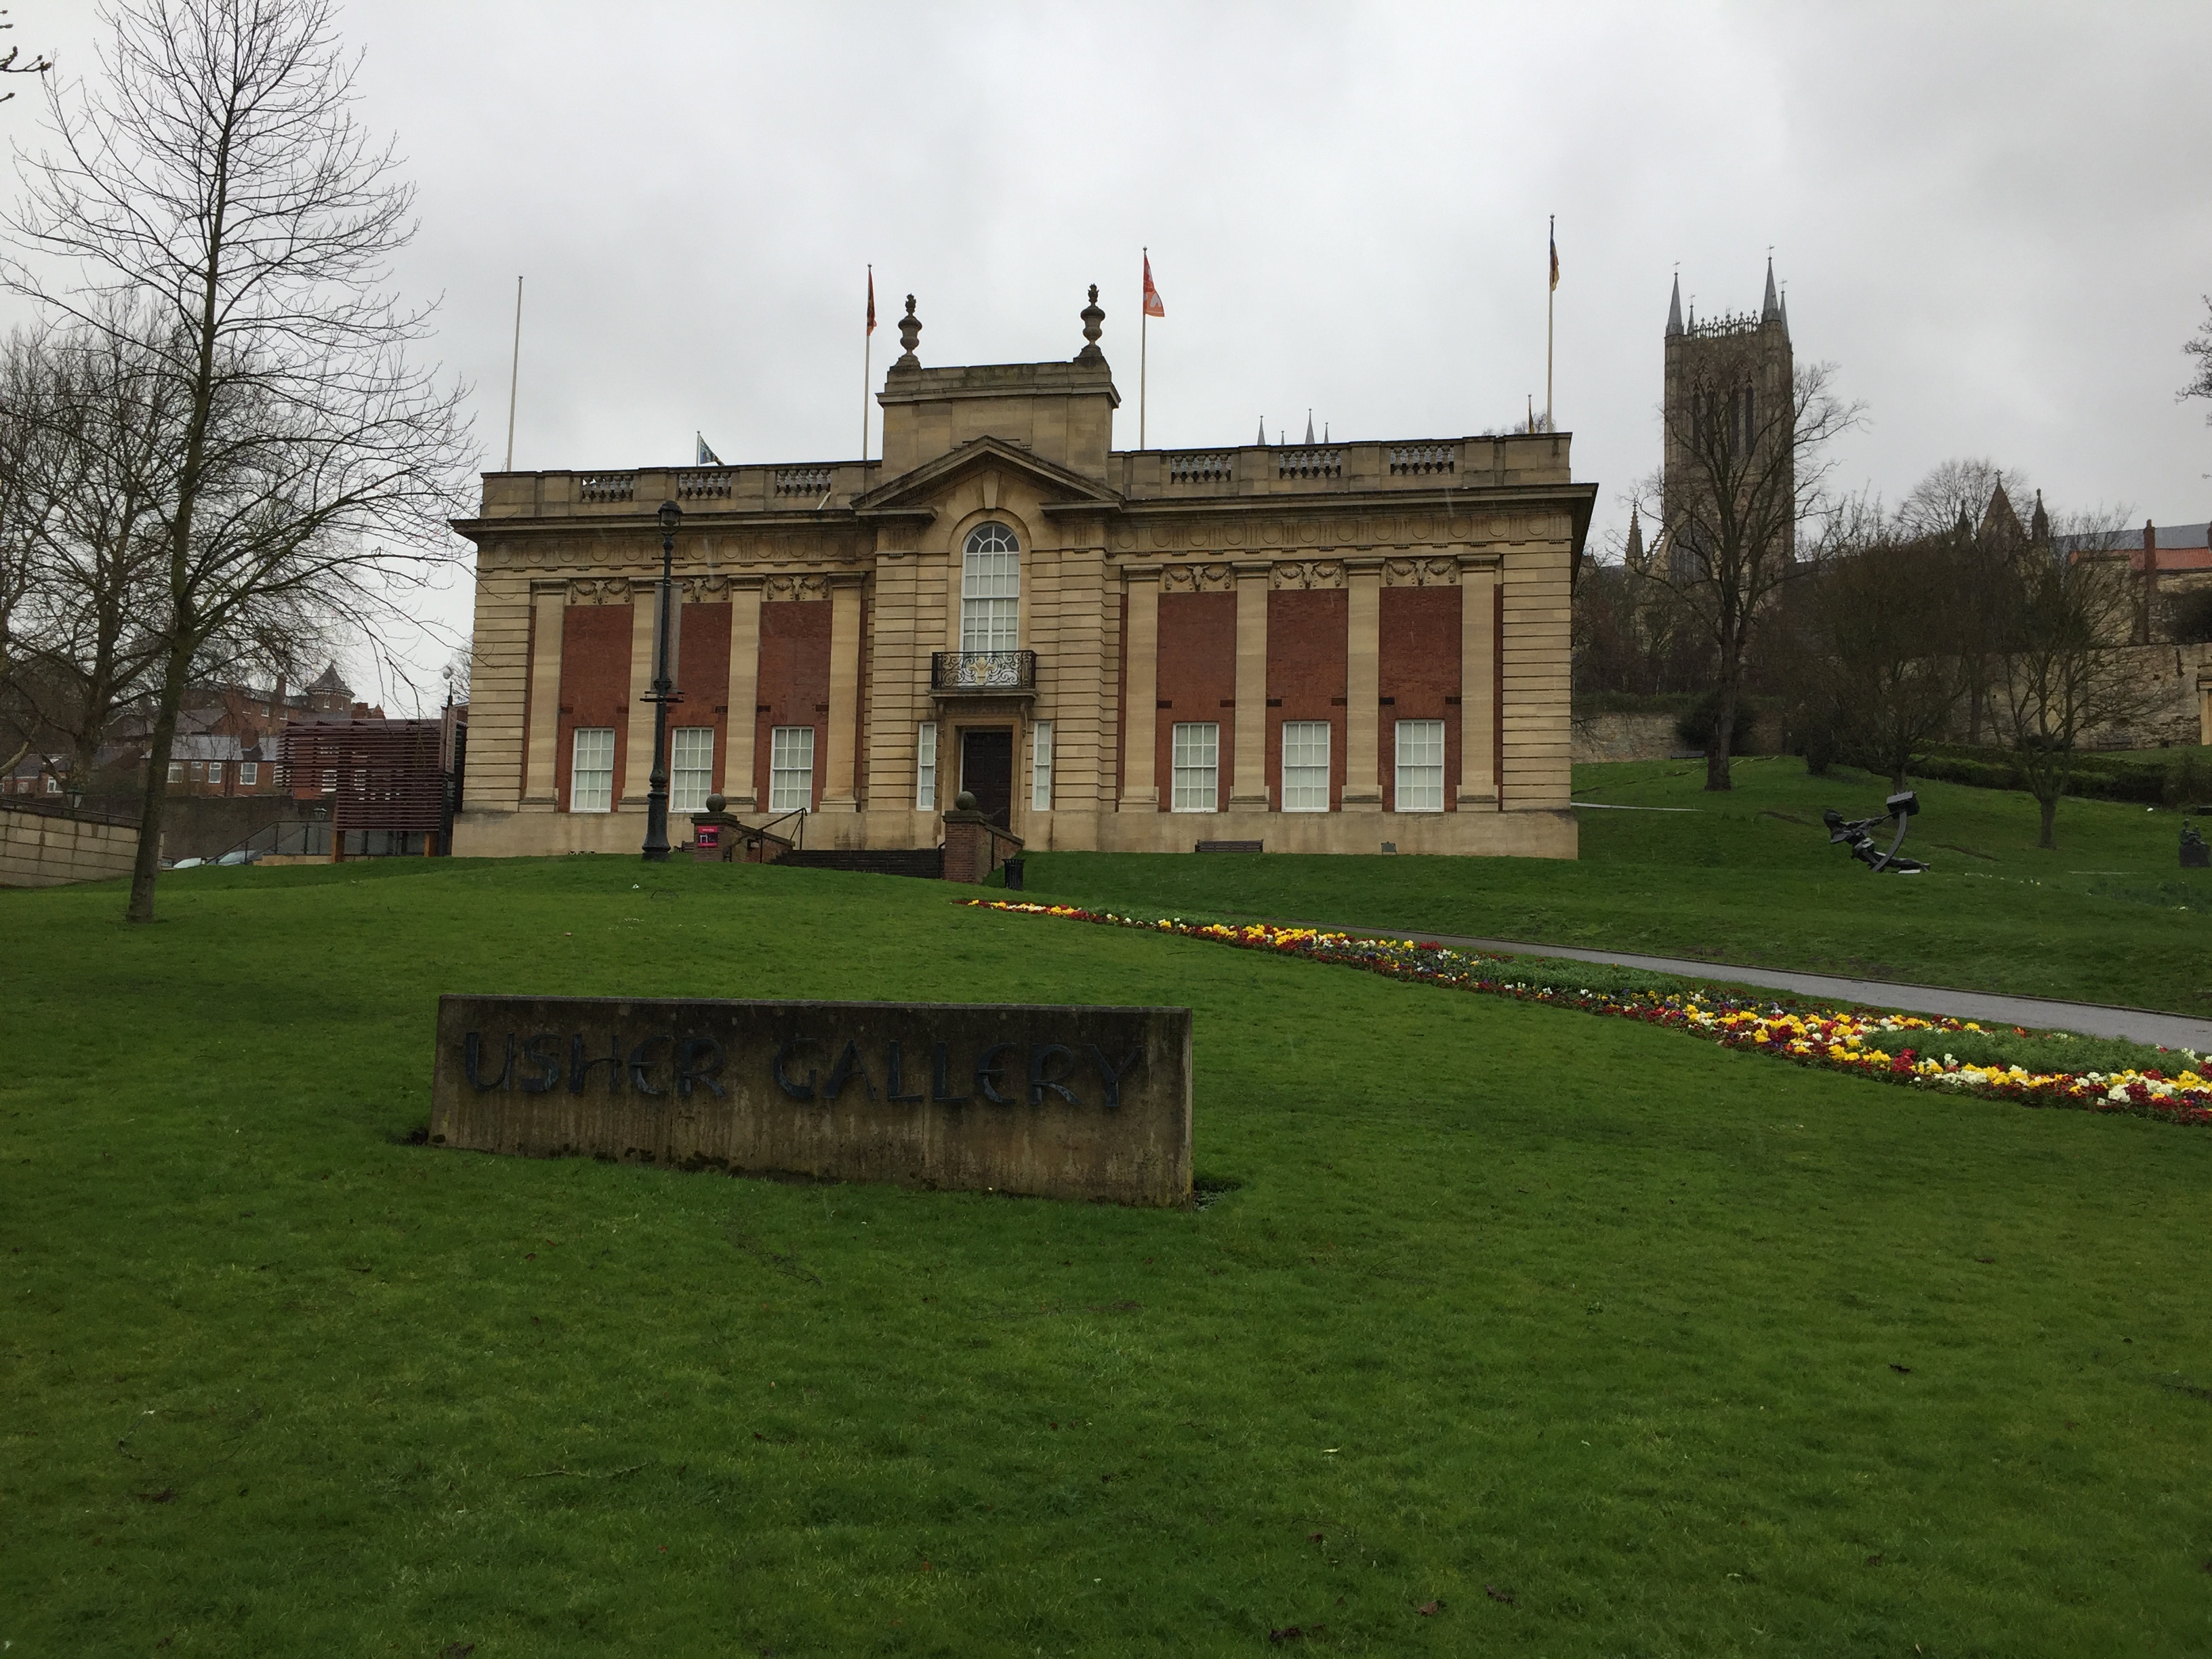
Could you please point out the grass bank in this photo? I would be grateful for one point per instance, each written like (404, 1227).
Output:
(1749, 878)
(1598, 1340)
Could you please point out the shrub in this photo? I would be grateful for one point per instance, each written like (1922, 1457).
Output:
(1695, 728)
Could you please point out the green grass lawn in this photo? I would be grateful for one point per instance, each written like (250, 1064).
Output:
(1678, 1351)
(1748, 876)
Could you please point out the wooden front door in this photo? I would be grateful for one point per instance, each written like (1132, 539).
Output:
(987, 771)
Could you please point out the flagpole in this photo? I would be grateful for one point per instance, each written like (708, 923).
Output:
(513, 373)
(1143, 329)
(867, 352)
(1551, 298)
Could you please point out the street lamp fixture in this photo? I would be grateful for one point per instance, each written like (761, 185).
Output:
(664, 691)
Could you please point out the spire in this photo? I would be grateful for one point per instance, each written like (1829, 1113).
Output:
(1634, 553)
(2000, 517)
(2039, 522)
(1262, 438)
(1964, 527)
(1769, 309)
(1675, 309)
(1310, 426)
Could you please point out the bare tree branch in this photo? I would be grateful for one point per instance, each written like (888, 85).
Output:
(216, 193)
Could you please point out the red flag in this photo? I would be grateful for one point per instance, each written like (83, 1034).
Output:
(1152, 305)
(872, 298)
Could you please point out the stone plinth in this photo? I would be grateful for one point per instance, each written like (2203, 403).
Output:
(1073, 1103)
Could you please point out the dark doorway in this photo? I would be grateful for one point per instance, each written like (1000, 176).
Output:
(986, 772)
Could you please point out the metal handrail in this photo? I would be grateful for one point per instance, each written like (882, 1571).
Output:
(798, 812)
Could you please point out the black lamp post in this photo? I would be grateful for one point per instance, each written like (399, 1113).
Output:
(664, 693)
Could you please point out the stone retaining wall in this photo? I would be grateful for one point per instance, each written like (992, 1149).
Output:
(47, 849)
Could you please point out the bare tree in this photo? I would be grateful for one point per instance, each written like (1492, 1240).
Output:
(1881, 666)
(9, 66)
(2060, 670)
(2200, 384)
(1753, 471)
(109, 418)
(1954, 490)
(1963, 512)
(217, 181)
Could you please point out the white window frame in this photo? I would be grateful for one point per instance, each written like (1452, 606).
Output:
(249, 775)
(199, 771)
(690, 776)
(1041, 766)
(215, 774)
(53, 784)
(791, 768)
(1195, 767)
(599, 796)
(991, 589)
(925, 767)
(1419, 740)
(1306, 766)
(176, 771)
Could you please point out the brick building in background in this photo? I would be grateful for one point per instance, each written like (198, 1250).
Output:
(1327, 647)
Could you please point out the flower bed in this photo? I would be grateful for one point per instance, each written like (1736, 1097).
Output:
(1848, 1040)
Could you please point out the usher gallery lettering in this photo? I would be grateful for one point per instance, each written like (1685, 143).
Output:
(672, 1065)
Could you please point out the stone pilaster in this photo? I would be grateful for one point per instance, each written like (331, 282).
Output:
(637, 768)
(1247, 788)
(1363, 685)
(1477, 682)
(837, 776)
(548, 604)
(741, 722)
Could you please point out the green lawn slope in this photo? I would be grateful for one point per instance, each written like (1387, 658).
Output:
(1748, 876)
(1594, 1339)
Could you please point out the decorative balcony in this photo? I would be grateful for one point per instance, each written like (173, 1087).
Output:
(983, 673)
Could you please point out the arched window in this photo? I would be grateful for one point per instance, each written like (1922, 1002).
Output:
(990, 589)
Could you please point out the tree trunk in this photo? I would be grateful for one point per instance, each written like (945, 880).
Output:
(148, 864)
(2048, 839)
(1717, 739)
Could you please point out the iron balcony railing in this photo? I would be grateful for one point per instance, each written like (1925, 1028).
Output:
(982, 670)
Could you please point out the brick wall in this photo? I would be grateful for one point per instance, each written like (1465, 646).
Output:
(794, 683)
(1197, 675)
(1306, 674)
(594, 684)
(1419, 639)
(702, 661)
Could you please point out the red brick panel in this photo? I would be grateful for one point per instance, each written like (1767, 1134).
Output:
(594, 685)
(1420, 653)
(1307, 631)
(703, 665)
(1197, 670)
(794, 683)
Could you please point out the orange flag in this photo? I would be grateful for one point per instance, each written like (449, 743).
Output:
(1152, 305)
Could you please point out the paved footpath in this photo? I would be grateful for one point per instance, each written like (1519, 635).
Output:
(2084, 1018)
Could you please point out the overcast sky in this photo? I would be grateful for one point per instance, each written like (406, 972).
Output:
(1993, 220)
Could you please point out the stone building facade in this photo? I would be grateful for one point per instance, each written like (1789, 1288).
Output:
(1336, 648)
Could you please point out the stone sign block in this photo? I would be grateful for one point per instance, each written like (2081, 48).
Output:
(1057, 1103)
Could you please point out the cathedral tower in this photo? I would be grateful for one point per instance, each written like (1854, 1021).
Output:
(1738, 368)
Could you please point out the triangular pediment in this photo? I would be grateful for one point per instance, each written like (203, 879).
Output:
(933, 477)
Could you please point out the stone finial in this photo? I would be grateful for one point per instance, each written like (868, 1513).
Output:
(909, 336)
(1092, 316)
(963, 802)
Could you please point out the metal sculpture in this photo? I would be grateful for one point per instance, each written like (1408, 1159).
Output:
(1857, 833)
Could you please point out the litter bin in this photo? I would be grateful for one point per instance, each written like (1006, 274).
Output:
(1013, 867)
